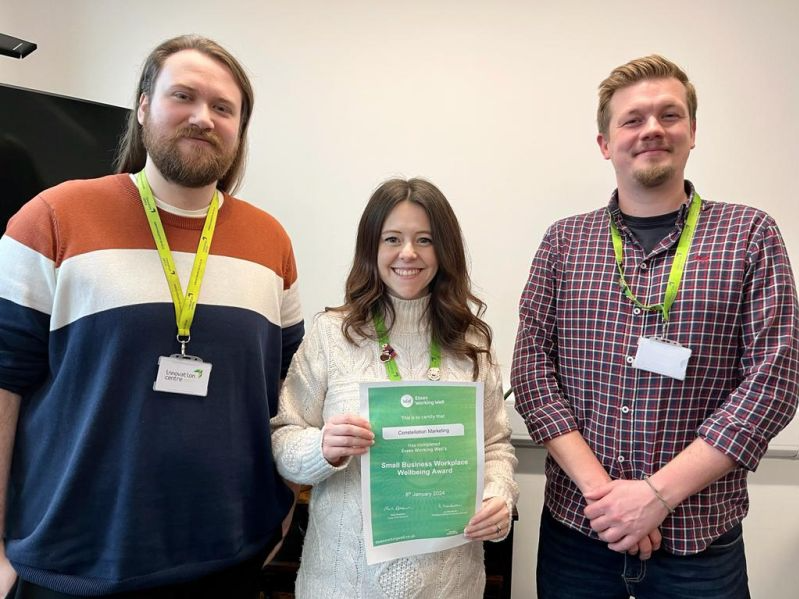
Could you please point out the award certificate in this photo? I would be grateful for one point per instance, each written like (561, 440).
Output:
(422, 480)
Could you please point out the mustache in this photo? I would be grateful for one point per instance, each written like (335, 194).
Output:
(197, 133)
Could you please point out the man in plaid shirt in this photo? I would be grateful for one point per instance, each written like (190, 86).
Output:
(657, 356)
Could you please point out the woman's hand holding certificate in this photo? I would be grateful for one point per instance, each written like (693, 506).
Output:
(490, 523)
(346, 435)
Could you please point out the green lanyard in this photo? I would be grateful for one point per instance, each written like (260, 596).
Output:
(387, 354)
(185, 306)
(677, 267)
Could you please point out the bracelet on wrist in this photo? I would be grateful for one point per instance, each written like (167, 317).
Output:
(658, 495)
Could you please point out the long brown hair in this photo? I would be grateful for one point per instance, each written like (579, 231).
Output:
(131, 154)
(453, 309)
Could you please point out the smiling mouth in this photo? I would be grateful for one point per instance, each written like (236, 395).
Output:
(407, 272)
(652, 150)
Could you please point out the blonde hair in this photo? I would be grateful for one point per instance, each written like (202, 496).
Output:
(653, 66)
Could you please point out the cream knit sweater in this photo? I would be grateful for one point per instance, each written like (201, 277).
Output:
(323, 381)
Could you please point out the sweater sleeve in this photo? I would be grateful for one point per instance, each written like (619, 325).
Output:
(297, 428)
(500, 456)
(293, 327)
(28, 272)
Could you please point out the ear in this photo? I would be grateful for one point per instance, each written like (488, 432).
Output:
(693, 134)
(602, 142)
(141, 111)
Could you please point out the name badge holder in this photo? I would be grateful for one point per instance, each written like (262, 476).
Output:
(661, 356)
(183, 373)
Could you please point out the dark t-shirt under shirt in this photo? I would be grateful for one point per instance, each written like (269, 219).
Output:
(649, 230)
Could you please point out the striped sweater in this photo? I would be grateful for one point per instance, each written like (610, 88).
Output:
(114, 486)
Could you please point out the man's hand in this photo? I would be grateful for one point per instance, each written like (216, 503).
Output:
(647, 546)
(7, 574)
(9, 414)
(624, 512)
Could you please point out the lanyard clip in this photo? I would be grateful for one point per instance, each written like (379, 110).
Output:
(183, 340)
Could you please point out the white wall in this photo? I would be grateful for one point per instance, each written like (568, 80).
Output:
(492, 101)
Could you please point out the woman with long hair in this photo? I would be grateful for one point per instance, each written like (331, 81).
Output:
(408, 292)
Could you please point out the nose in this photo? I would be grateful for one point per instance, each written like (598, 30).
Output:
(201, 117)
(652, 127)
(408, 252)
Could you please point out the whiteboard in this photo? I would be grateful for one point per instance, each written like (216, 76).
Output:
(782, 447)
(492, 101)
(786, 444)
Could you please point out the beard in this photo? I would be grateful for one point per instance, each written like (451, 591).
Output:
(196, 166)
(653, 176)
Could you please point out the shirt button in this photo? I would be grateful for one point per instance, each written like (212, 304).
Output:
(620, 459)
(643, 266)
(636, 311)
(625, 409)
(629, 359)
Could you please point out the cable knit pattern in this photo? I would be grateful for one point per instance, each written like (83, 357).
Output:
(322, 381)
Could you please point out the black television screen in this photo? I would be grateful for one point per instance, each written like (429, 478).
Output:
(46, 139)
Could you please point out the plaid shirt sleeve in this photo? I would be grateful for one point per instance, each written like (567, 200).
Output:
(538, 397)
(766, 399)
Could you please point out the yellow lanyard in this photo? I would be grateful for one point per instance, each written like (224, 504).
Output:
(185, 306)
(387, 354)
(677, 266)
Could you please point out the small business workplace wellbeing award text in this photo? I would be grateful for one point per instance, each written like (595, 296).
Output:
(422, 480)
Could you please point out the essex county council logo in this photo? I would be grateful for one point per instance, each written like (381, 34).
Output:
(406, 401)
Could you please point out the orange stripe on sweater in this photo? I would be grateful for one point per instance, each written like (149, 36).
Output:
(78, 217)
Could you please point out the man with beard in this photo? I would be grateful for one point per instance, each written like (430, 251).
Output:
(656, 357)
(146, 320)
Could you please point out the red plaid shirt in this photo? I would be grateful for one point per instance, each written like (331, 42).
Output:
(578, 333)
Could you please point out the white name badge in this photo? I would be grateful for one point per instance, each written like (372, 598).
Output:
(662, 356)
(188, 375)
